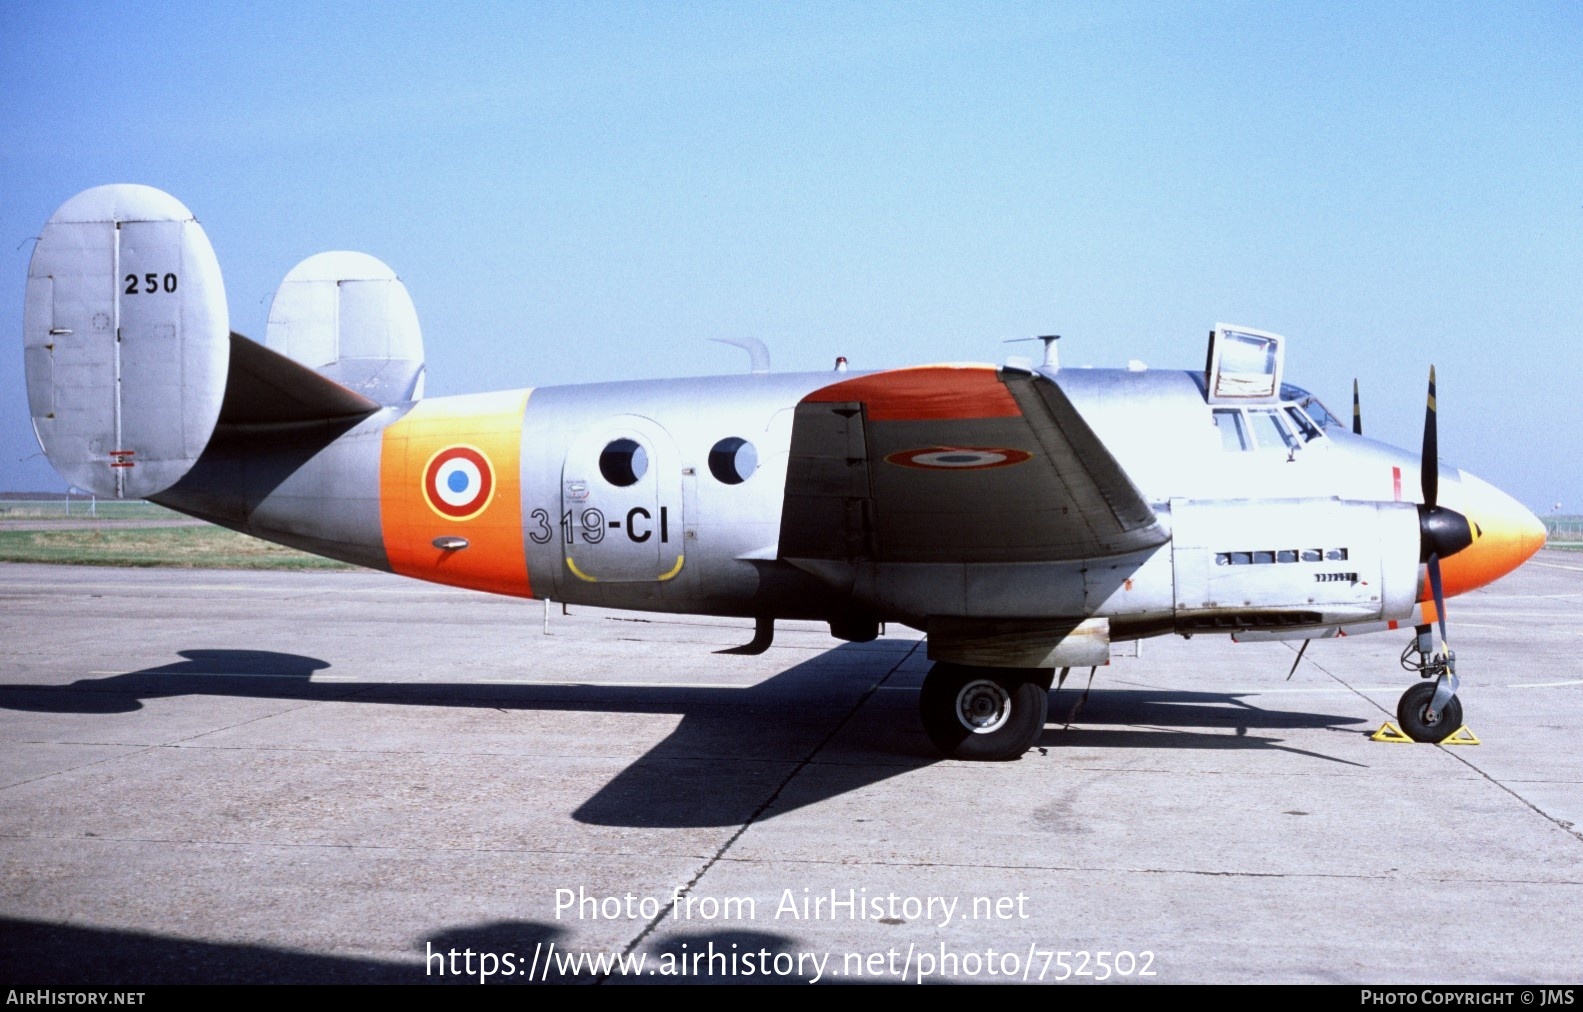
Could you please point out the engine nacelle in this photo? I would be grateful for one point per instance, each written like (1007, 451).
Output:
(1268, 564)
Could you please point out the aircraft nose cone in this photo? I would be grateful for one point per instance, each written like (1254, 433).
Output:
(1505, 534)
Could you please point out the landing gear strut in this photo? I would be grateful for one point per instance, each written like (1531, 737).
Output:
(984, 713)
(1429, 711)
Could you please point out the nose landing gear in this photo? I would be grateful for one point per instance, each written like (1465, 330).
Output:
(1430, 711)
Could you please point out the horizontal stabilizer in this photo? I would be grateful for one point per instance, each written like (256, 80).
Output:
(267, 388)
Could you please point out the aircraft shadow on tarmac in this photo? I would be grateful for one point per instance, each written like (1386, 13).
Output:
(39, 954)
(814, 731)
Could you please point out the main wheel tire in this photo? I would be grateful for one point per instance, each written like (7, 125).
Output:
(1414, 704)
(986, 714)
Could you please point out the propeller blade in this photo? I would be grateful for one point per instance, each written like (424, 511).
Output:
(1357, 410)
(1429, 467)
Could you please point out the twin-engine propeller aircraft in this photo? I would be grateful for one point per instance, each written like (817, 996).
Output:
(1023, 517)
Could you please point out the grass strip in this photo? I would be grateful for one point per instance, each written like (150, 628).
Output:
(180, 547)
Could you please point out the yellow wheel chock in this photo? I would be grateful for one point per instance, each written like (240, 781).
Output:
(1389, 732)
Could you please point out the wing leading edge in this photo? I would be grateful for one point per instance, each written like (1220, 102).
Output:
(961, 464)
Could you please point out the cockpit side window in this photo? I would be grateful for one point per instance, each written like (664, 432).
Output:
(1233, 433)
(1270, 432)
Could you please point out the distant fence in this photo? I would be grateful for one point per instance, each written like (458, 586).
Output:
(82, 506)
(1568, 529)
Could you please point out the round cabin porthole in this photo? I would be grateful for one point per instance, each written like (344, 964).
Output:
(733, 461)
(623, 462)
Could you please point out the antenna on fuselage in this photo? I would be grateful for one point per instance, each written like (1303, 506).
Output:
(758, 354)
(1052, 360)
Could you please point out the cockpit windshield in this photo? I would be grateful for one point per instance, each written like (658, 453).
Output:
(1301, 423)
(1311, 404)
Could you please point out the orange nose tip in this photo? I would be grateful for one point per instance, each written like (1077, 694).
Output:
(1505, 535)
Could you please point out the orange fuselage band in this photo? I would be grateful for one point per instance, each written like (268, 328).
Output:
(450, 468)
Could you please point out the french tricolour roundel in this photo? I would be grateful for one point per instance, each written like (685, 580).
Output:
(959, 458)
(458, 482)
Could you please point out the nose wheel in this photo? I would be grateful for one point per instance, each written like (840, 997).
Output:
(983, 713)
(1421, 720)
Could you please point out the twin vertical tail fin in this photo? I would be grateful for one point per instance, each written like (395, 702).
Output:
(349, 318)
(130, 359)
(126, 340)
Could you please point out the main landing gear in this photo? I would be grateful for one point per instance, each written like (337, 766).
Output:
(984, 713)
(1429, 711)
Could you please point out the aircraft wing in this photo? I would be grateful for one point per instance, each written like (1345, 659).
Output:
(961, 464)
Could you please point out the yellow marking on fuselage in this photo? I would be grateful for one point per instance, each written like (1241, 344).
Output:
(579, 573)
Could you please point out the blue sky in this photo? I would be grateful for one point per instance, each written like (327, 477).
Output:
(575, 192)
